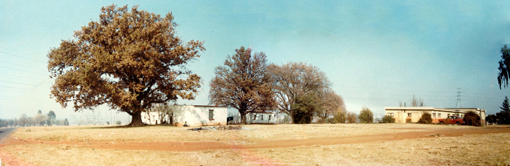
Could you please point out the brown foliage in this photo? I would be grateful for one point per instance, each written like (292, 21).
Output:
(243, 83)
(426, 118)
(472, 118)
(129, 60)
(331, 104)
(351, 117)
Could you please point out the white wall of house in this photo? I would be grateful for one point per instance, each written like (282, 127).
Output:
(193, 115)
(262, 118)
(151, 118)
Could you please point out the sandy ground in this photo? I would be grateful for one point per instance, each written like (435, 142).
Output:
(327, 144)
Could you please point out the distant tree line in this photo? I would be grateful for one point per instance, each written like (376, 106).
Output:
(39, 119)
(502, 117)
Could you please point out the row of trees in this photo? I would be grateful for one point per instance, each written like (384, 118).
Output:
(502, 117)
(249, 84)
(132, 60)
(39, 119)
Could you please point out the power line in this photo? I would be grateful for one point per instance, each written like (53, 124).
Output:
(22, 78)
(22, 70)
(21, 57)
(17, 83)
(24, 65)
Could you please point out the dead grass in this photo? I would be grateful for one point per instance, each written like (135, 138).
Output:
(482, 149)
(258, 134)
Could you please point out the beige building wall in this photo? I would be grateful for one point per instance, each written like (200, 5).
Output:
(413, 114)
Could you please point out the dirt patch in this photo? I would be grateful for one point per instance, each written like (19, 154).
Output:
(408, 128)
(220, 128)
(210, 145)
(359, 144)
(8, 159)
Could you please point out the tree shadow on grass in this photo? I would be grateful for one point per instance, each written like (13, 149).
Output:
(125, 127)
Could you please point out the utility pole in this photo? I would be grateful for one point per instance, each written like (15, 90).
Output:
(459, 100)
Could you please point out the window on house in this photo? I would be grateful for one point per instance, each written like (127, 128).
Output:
(254, 117)
(211, 114)
(409, 114)
(269, 119)
(439, 115)
(261, 117)
(434, 115)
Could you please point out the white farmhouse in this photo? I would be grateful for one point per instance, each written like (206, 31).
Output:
(193, 115)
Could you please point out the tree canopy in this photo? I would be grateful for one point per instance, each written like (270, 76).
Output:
(304, 108)
(51, 118)
(243, 83)
(366, 116)
(129, 60)
(295, 82)
(504, 67)
(472, 118)
(331, 103)
(505, 106)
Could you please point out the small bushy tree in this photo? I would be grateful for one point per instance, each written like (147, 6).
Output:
(304, 108)
(388, 119)
(426, 118)
(51, 118)
(472, 118)
(351, 117)
(366, 116)
(340, 117)
(491, 119)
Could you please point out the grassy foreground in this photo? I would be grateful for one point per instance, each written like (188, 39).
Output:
(66, 146)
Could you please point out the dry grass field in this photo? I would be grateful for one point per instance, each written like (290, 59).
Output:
(315, 144)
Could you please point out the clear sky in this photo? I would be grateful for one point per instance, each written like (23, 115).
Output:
(376, 53)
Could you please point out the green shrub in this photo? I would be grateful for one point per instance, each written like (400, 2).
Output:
(426, 118)
(388, 119)
(366, 116)
(472, 118)
(340, 117)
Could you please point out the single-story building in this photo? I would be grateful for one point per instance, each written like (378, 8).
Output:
(265, 117)
(413, 114)
(193, 115)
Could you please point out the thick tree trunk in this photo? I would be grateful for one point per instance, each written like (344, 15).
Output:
(243, 117)
(136, 120)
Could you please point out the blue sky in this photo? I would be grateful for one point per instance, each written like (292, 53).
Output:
(376, 53)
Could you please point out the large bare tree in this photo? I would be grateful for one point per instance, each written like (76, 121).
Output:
(129, 60)
(292, 80)
(331, 104)
(243, 83)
